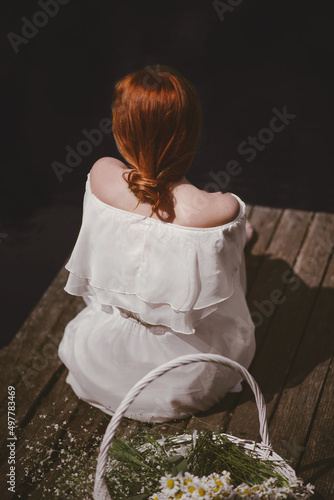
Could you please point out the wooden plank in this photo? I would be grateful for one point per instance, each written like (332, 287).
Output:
(278, 259)
(317, 466)
(33, 351)
(306, 378)
(279, 240)
(54, 415)
(86, 466)
(275, 357)
(74, 425)
(32, 333)
(275, 262)
(85, 442)
(56, 407)
(38, 378)
(264, 220)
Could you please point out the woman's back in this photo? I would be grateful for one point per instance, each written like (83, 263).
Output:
(154, 291)
(158, 262)
(190, 206)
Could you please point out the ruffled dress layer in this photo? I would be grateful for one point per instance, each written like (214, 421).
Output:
(155, 291)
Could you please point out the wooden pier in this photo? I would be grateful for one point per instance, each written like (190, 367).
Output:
(290, 269)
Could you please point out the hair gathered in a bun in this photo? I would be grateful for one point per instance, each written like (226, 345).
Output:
(156, 123)
(147, 190)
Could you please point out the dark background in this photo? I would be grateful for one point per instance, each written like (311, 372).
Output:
(262, 55)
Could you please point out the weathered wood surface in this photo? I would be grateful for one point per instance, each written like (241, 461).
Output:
(290, 283)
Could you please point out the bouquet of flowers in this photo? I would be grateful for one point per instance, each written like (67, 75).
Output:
(196, 466)
(193, 466)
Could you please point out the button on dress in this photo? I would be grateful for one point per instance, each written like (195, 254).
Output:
(155, 291)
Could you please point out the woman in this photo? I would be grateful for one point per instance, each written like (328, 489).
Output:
(158, 262)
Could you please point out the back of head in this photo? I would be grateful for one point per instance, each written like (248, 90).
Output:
(156, 124)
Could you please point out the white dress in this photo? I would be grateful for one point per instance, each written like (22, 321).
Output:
(155, 291)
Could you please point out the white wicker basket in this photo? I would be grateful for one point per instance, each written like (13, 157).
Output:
(261, 450)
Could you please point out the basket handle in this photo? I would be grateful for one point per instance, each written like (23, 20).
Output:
(100, 488)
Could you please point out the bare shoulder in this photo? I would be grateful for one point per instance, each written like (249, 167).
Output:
(193, 207)
(198, 208)
(105, 174)
(224, 209)
(106, 166)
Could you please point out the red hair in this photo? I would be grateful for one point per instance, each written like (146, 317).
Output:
(157, 120)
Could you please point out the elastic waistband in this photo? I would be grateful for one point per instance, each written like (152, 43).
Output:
(134, 317)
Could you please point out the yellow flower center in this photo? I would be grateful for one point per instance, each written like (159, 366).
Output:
(178, 494)
(201, 492)
(170, 484)
(188, 480)
(219, 483)
(191, 489)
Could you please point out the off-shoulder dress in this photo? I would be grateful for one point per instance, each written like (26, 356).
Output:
(155, 291)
